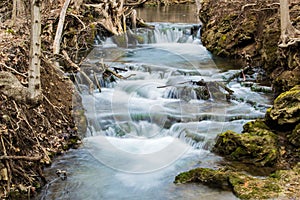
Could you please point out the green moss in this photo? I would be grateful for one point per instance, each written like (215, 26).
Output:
(294, 137)
(242, 185)
(258, 147)
(210, 177)
(286, 109)
(10, 31)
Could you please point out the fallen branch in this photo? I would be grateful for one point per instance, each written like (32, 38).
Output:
(77, 68)
(27, 158)
(131, 3)
(12, 69)
(238, 74)
(97, 82)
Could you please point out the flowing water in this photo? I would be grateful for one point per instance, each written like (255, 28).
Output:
(147, 128)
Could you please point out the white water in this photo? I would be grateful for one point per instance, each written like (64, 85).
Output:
(139, 138)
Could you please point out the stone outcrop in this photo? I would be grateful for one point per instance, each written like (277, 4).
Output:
(250, 30)
(257, 145)
(242, 185)
(282, 184)
(285, 113)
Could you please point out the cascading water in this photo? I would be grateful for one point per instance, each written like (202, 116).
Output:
(146, 129)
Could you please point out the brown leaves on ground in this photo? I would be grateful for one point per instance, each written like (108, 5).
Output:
(28, 131)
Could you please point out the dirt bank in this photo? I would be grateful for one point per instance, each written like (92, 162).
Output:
(31, 135)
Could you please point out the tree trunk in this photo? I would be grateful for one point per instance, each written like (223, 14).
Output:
(34, 81)
(60, 27)
(18, 9)
(288, 32)
(14, 13)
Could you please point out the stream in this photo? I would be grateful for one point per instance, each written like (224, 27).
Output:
(144, 130)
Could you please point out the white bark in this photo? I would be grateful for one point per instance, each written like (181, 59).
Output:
(289, 34)
(34, 81)
(60, 27)
(198, 4)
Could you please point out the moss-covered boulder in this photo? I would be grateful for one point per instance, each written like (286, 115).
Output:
(257, 146)
(210, 177)
(247, 187)
(242, 185)
(285, 113)
(294, 137)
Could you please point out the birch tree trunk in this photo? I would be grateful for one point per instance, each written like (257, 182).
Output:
(34, 81)
(289, 34)
(60, 27)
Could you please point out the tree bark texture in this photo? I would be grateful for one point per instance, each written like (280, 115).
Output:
(60, 27)
(288, 32)
(34, 82)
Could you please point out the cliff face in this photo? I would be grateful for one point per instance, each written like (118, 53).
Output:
(240, 29)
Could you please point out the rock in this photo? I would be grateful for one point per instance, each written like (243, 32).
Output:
(294, 137)
(257, 145)
(210, 177)
(11, 87)
(285, 113)
(242, 185)
(252, 30)
(247, 187)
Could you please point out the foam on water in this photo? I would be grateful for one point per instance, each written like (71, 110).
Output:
(143, 131)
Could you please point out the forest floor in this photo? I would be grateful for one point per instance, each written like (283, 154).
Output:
(31, 135)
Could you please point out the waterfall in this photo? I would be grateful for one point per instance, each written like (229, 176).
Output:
(145, 129)
(161, 33)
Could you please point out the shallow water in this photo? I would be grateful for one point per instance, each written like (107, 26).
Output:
(141, 135)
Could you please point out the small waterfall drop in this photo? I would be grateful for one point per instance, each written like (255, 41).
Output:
(145, 129)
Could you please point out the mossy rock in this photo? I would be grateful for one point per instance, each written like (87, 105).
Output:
(210, 177)
(294, 138)
(285, 113)
(257, 127)
(247, 187)
(258, 149)
(242, 185)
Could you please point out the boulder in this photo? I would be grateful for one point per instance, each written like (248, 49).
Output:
(294, 137)
(257, 145)
(242, 185)
(210, 177)
(285, 113)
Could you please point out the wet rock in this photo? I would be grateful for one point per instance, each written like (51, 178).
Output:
(285, 113)
(210, 177)
(242, 185)
(257, 145)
